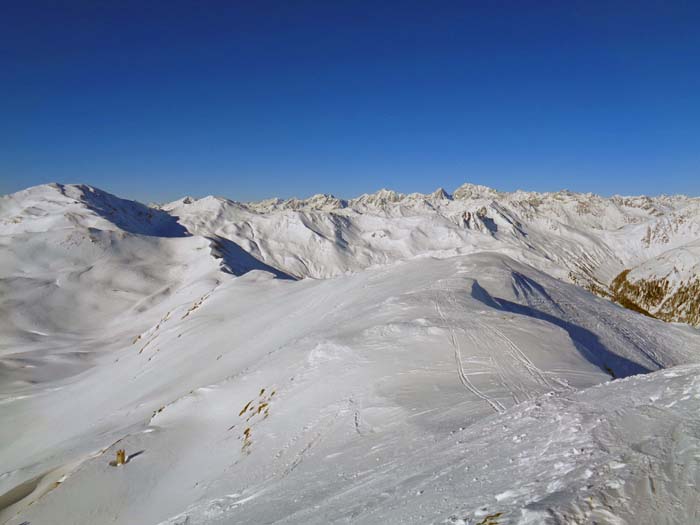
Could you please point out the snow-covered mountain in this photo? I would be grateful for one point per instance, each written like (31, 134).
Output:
(392, 358)
(667, 286)
(582, 238)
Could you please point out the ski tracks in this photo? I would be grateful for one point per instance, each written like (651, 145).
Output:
(520, 377)
(496, 405)
(522, 359)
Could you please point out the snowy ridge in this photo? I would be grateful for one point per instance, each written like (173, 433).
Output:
(443, 365)
(584, 238)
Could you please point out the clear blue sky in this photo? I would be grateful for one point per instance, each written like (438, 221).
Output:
(252, 99)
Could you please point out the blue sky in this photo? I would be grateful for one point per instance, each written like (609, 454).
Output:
(155, 100)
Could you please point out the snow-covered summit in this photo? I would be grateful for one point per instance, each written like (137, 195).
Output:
(318, 202)
(51, 206)
(475, 191)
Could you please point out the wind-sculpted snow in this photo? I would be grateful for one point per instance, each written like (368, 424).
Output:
(442, 371)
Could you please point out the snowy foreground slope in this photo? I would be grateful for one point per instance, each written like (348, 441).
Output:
(440, 372)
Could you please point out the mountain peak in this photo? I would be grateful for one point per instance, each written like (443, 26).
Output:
(475, 191)
(440, 194)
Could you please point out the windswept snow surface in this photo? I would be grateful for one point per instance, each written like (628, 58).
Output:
(390, 359)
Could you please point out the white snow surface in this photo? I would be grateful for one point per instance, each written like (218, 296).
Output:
(572, 236)
(388, 359)
(678, 265)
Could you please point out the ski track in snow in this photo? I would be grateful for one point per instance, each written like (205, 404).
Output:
(496, 405)
(507, 359)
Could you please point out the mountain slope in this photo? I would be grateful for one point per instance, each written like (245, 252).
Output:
(391, 362)
(584, 239)
(667, 286)
(443, 371)
(75, 261)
